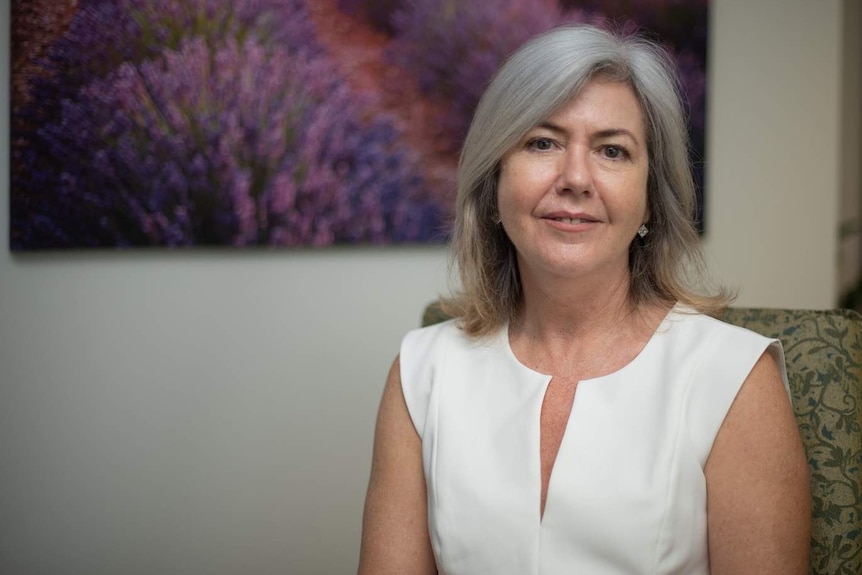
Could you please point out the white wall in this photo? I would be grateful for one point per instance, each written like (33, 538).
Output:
(195, 413)
(212, 412)
(773, 149)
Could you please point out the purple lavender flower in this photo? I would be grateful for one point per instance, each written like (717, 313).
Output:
(107, 33)
(210, 123)
(242, 145)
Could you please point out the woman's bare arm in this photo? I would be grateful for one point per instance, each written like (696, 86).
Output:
(395, 524)
(758, 494)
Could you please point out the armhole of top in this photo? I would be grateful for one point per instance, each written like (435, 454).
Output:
(419, 350)
(716, 381)
(776, 350)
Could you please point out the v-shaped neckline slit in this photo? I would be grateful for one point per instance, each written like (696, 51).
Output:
(546, 382)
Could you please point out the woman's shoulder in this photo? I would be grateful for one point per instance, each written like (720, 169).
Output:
(421, 347)
(705, 324)
(446, 328)
(446, 333)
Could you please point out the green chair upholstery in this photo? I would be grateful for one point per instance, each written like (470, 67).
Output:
(823, 352)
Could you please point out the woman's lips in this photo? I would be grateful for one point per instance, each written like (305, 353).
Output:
(572, 220)
(571, 223)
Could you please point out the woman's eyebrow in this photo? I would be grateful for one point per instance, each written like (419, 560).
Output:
(613, 132)
(601, 134)
(551, 127)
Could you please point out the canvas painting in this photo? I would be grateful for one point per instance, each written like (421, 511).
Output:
(278, 123)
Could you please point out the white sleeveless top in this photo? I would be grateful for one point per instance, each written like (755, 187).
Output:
(627, 493)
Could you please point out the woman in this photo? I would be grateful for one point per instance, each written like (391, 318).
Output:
(582, 413)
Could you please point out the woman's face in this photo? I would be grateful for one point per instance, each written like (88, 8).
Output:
(572, 194)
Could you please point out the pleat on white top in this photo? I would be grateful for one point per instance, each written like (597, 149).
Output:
(627, 494)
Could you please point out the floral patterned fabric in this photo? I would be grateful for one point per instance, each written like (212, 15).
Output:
(823, 352)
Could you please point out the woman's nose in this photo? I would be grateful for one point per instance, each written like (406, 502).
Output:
(575, 171)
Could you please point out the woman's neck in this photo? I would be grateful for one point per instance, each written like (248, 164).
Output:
(555, 307)
(568, 321)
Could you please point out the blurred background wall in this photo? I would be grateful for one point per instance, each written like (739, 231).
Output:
(212, 411)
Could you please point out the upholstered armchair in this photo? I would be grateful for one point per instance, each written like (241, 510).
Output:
(823, 351)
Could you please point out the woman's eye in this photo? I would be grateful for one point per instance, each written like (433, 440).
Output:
(541, 144)
(614, 152)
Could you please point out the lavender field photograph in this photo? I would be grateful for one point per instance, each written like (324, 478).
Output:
(181, 123)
